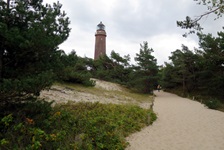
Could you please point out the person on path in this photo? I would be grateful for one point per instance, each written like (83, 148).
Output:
(158, 88)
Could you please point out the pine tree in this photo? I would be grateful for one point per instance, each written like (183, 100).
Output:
(144, 78)
(30, 33)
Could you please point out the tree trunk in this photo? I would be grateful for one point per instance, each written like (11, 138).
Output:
(8, 2)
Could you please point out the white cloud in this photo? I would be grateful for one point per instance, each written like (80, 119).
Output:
(164, 44)
(130, 22)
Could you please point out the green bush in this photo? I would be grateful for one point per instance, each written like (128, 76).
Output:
(71, 75)
(18, 90)
(71, 126)
(106, 126)
(213, 104)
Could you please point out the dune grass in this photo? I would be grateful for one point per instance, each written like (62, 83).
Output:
(123, 95)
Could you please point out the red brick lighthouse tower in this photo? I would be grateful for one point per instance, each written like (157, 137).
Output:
(100, 42)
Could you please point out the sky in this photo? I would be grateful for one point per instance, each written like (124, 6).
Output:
(131, 22)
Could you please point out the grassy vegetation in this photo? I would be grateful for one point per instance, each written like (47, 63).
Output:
(124, 95)
(81, 126)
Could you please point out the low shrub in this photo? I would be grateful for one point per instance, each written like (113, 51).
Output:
(213, 103)
(70, 75)
(105, 126)
(71, 126)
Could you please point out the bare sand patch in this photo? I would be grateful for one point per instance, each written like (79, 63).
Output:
(182, 124)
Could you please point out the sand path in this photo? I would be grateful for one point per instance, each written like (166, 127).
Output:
(182, 124)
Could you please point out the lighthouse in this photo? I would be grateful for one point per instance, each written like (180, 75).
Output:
(100, 41)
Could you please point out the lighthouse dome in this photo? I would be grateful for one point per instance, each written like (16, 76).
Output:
(101, 26)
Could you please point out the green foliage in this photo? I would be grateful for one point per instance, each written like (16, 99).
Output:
(13, 90)
(168, 80)
(73, 69)
(7, 120)
(153, 117)
(142, 77)
(145, 75)
(36, 125)
(114, 68)
(182, 71)
(199, 73)
(105, 126)
(144, 59)
(211, 75)
(213, 6)
(30, 34)
(213, 103)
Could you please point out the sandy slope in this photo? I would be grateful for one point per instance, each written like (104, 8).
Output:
(182, 125)
(109, 93)
(61, 94)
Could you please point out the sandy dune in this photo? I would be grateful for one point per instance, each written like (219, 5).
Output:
(62, 94)
(182, 125)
